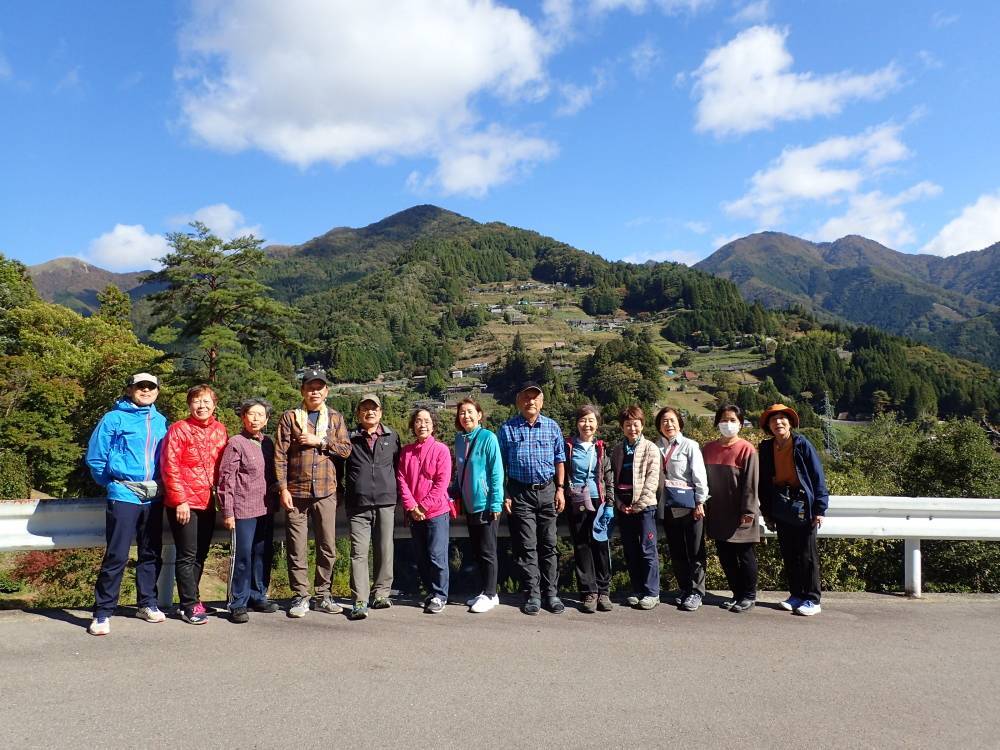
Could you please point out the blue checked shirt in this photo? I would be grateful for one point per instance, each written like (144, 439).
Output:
(531, 452)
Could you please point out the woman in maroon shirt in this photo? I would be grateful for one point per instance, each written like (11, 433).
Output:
(247, 494)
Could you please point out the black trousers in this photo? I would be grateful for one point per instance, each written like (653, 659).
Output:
(484, 541)
(192, 541)
(739, 563)
(798, 550)
(686, 542)
(533, 536)
(592, 558)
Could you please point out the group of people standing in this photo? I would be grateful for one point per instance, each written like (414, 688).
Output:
(528, 469)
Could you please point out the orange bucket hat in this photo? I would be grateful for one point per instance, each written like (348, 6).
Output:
(773, 409)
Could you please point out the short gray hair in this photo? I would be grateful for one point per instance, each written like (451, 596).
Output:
(249, 403)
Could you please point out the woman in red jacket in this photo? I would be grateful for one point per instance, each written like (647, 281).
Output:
(189, 465)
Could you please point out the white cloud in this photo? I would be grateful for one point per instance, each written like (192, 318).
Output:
(574, 98)
(223, 221)
(697, 227)
(127, 247)
(687, 257)
(930, 62)
(748, 84)
(641, 6)
(474, 163)
(877, 216)
(6, 72)
(70, 81)
(827, 171)
(643, 58)
(756, 11)
(977, 227)
(316, 81)
(940, 19)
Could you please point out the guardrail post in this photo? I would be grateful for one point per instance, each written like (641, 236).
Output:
(911, 579)
(165, 583)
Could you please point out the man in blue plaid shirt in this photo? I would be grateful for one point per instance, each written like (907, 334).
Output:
(534, 455)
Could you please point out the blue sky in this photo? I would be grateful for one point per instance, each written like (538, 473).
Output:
(633, 128)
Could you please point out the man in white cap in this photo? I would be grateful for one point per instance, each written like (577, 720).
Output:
(123, 456)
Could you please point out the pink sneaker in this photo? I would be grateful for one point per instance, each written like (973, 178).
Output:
(198, 609)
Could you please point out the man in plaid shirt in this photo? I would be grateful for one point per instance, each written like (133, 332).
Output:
(305, 445)
(534, 455)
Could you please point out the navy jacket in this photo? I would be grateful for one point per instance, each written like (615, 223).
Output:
(808, 469)
(370, 475)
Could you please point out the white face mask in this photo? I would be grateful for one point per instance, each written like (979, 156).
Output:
(729, 429)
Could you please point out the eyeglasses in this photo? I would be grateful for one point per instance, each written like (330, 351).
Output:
(146, 387)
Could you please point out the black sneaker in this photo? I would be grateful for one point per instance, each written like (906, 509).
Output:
(381, 602)
(239, 615)
(554, 605)
(531, 606)
(266, 606)
(728, 604)
(743, 605)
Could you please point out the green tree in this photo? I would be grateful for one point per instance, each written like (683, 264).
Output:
(115, 306)
(217, 317)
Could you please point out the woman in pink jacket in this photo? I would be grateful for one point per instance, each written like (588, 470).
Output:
(423, 475)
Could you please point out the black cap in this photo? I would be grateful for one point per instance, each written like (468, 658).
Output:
(314, 373)
(529, 385)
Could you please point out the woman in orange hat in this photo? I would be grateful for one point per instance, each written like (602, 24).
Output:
(793, 500)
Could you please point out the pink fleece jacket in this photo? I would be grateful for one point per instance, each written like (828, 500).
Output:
(423, 475)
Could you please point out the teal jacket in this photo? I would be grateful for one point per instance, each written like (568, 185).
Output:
(483, 485)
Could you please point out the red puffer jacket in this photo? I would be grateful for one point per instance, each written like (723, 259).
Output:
(189, 461)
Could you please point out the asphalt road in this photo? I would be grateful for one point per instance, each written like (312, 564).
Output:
(869, 672)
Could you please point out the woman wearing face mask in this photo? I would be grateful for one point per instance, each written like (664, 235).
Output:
(589, 483)
(478, 487)
(793, 499)
(684, 492)
(189, 467)
(731, 519)
(635, 476)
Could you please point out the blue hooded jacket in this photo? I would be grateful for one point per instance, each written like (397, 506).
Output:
(125, 445)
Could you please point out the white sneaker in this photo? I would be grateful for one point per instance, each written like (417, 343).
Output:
(100, 626)
(496, 600)
(483, 603)
(473, 600)
(150, 614)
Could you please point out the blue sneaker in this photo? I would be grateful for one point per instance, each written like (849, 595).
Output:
(808, 608)
(791, 604)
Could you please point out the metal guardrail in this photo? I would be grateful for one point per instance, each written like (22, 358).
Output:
(78, 523)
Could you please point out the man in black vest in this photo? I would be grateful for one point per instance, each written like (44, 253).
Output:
(370, 500)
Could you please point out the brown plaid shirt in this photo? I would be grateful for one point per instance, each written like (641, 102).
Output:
(303, 470)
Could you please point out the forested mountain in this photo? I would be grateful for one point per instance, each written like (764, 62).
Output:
(75, 284)
(860, 281)
(395, 296)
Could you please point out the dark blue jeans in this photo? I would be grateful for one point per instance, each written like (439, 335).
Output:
(252, 553)
(124, 522)
(638, 532)
(430, 541)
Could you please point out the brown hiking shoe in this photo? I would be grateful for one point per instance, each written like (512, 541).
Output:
(604, 603)
(589, 603)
